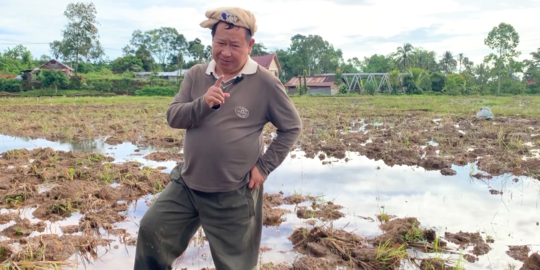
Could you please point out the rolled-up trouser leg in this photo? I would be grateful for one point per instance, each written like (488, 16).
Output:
(166, 228)
(232, 222)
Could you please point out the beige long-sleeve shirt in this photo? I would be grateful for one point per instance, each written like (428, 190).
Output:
(222, 145)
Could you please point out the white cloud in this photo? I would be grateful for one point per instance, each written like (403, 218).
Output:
(359, 28)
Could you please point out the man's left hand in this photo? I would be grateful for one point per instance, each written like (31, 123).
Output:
(256, 178)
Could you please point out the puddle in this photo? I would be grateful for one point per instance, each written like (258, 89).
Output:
(443, 203)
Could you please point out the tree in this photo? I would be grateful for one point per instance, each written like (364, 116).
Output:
(57, 49)
(460, 60)
(403, 55)
(481, 75)
(424, 59)
(448, 63)
(417, 81)
(377, 63)
(162, 45)
(532, 72)
(15, 53)
(196, 50)
(317, 54)
(127, 63)
(53, 78)
(81, 34)
(504, 40)
(258, 49)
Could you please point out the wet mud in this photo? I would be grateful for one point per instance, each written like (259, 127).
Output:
(434, 141)
(58, 184)
(520, 253)
(532, 263)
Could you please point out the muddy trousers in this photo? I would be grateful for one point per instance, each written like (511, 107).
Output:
(232, 223)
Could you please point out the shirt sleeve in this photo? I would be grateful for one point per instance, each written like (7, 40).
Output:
(284, 116)
(183, 112)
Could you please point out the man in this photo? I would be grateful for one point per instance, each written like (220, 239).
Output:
(223, 106)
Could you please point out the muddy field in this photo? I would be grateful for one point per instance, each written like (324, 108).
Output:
(98, 191)
(429, 139)
(58, 184)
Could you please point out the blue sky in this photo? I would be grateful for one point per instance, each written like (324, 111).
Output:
(360, 28)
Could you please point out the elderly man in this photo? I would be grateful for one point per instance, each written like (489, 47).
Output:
(223, 105)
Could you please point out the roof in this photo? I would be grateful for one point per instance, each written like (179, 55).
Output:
(266, 60)
(312, 81)
(54, 61)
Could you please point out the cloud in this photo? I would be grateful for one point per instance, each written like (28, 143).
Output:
(8, 32)
(359, 28)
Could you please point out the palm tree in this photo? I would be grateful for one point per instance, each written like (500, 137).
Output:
(417, 77)
(460, 59)
(468, 64)
(448, 63)
(403, 55)
(481, 75)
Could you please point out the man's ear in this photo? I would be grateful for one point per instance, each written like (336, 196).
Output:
(250, 46)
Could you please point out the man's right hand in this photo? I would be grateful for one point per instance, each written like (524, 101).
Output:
(215, 96)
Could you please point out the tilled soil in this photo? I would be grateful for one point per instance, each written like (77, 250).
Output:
(434, 141)
(58, 184)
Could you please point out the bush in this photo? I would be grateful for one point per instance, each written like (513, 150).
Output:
(371, 87)
(53, 78)
(343, 89)
(75, 82)
(10, 85)
(157, 91)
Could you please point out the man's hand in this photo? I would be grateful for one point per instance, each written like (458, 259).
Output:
(214, 95)
(256, 178)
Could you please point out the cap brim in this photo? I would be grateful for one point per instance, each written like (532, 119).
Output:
(208, 23)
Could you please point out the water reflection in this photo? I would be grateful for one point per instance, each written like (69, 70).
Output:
(445, 203)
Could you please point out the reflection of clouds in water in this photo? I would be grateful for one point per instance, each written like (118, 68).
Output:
(446, 203)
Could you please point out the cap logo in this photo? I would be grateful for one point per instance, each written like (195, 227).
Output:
(230, 18)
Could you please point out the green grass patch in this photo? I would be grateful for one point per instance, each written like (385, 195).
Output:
(48, 92)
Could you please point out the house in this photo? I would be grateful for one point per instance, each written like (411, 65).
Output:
(270, 62)
(54, 65)
(317, 84)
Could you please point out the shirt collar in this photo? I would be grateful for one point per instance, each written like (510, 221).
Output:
(249, 68)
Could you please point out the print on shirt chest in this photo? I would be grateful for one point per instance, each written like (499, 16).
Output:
(241, 111)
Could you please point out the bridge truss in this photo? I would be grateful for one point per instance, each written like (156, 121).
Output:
(352, 80)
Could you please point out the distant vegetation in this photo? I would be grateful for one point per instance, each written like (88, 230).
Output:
(164, 49)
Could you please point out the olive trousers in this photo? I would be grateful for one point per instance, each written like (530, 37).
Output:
(232, 223)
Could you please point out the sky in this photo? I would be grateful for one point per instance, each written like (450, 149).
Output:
(359, 28)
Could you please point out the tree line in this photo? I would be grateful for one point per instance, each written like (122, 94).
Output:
(164, 49)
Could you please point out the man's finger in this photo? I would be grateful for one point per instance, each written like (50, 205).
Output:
(218, 82)
(214, 101)
(251, 183)
(226, 94)
(218, 97)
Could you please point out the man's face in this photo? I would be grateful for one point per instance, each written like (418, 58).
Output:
(230, 48)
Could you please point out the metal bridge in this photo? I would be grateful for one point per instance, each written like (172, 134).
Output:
(352, 80)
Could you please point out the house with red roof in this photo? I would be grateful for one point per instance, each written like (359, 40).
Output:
(270, 62)
(317, 84)
(54, 64)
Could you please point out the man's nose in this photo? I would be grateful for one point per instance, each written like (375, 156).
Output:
(226, 52)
